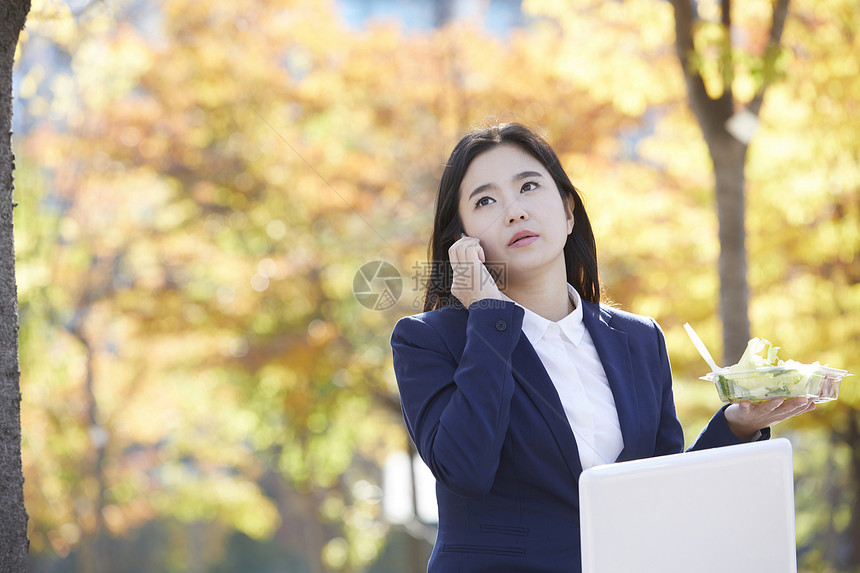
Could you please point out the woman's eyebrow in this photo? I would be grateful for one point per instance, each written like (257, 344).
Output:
(518, 177)
(526, 175)
(481, 189)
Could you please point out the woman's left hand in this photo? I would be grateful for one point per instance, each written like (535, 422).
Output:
(746, 418)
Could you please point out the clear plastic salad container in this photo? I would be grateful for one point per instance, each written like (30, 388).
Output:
(819, 383)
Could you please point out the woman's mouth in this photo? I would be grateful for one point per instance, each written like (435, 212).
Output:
(523, 238)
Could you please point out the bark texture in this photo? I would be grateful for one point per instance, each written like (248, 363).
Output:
(14, 543)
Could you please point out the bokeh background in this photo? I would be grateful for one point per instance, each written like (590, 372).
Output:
(199, 183)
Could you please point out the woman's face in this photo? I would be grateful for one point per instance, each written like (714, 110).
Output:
(509, 201)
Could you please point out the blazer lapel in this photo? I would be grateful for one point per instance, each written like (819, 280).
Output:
(614, 353)
(531, 375)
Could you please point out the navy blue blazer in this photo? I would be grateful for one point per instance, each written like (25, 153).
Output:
(487, 420)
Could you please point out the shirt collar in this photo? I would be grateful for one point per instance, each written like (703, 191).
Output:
(535, 326)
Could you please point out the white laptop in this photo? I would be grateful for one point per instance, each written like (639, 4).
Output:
(724, 509)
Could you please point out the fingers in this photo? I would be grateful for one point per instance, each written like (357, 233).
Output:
(771, 405)
(471, 280)
(791, 407)
(744, 418)
(466, 250)
(796, 406)
(777, 409)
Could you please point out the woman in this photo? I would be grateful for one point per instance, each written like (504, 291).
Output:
(512, 386)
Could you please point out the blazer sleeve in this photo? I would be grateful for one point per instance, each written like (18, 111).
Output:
(457, 408)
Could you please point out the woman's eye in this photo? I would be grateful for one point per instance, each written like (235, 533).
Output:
(484, 201)
(530, 186)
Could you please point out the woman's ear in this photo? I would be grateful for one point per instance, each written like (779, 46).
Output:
(460, 229)
(569, 203)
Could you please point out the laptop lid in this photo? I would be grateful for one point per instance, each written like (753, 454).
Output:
(717, 510)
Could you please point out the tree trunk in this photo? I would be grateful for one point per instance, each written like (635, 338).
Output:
(853, 440)
(92, 548)
(729, 156)
(14, 543)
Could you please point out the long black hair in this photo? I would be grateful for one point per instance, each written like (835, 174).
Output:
(580, 251)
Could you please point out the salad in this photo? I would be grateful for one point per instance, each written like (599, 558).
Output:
(761, 375)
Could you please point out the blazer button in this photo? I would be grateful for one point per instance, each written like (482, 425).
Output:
(501, 325)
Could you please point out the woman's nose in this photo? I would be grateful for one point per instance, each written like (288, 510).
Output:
(517, 215)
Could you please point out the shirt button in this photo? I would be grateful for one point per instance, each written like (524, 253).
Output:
(553, 327)
(501, 325)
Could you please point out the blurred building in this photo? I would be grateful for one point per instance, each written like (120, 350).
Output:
(498, 16)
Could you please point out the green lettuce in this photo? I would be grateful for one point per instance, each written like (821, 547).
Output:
(760, 374)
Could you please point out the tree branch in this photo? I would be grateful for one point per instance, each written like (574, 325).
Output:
(727, 99)
(780, 13)
(84, 9)
(710, 113)
(685, 49)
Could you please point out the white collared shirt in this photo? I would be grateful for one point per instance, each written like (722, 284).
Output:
(567, 351)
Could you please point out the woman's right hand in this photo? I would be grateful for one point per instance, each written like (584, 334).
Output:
(472, 281)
